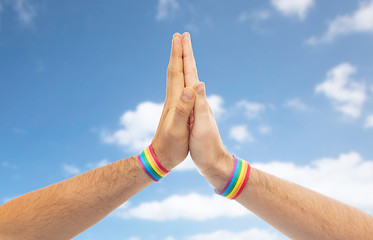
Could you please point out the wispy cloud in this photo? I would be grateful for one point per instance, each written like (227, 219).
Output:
(369, 121)
(166, 8)
(25, 10)
(98, 164)
(70, 170)
(7, 199)
(264, 129)
(347, 95)
(251, 109)
(240, 134)
(296, 104)
(8, 165)
(297, 8)
(360, 21)
(192, 28)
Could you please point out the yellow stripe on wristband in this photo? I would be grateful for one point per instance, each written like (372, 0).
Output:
(239, 181)
(152, 163)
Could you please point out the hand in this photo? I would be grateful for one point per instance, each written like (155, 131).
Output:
(206, 147)
(171, 140)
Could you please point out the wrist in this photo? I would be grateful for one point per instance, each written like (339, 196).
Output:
(219, 173)
(151, 164)
(163, 156)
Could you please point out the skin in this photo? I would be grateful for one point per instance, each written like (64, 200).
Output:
(297, 212)
(67, 208)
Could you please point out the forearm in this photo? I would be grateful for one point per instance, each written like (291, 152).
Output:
(65, 209)
(301, 213)
(298, 212)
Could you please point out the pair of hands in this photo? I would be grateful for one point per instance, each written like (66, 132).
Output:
(187, 123)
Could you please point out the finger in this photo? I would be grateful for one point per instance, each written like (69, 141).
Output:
(175, 72)
(190, 69)
(183, 108)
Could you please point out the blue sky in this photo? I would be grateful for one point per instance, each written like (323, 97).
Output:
(290, 83)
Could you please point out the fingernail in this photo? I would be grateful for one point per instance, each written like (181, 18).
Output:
(200, 89)
(187, 95)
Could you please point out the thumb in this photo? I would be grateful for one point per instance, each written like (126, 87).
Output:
(202, 107)
(184, 107)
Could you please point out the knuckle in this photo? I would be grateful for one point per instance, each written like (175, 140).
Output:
(180, 110)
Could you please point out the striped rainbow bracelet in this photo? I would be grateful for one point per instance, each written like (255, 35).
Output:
(237, 180)
(151, 165)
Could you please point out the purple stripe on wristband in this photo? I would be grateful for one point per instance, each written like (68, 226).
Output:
(231, 177)
(143, 167)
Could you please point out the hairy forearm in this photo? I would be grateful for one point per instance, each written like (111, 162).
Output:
(65, 209)
(296, 211)
(301, 213)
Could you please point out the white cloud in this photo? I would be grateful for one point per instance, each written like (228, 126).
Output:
(348, 96)
(166, 8)
(265, 129)
(216, 104)
(71, 170)
(348, 178)
(240, 134)
(137, 127)
(25, 10)
(252, 234)
(186, 165)
(297, 104)
(369, 121)
(361, 21)
(134, 238)
(297, 8)
(192, 206)
(251, 109)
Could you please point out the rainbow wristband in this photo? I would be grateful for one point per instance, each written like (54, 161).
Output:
(238, 179)
(151, 165)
